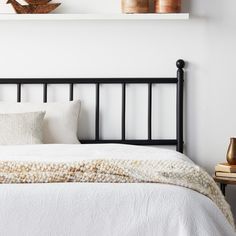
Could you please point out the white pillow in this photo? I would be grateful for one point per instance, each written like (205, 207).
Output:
(60, 122)
(21, 128)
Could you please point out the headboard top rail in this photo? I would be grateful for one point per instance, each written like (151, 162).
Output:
(89, 80)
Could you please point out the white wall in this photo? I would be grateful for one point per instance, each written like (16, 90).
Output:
(98, 49)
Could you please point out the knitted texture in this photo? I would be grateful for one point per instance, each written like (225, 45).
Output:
(176, 172)
(21, 128)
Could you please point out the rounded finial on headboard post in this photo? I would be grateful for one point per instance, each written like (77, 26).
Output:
(180, 64)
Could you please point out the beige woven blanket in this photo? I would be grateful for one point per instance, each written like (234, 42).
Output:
(176, 172)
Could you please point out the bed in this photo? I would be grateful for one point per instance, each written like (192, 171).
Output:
(106, 187)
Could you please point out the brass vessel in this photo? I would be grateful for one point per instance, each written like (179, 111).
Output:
(135, 6)
(167, 6)
(231, 153)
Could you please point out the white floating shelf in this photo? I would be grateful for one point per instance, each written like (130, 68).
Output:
(151, 16)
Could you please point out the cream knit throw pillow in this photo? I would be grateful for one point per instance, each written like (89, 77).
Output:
(21, 128)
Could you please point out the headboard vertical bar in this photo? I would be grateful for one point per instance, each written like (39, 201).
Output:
(97, 112)
(45, 93)
(19, 92)
(123, 110)
(71, 92)
(180, 98)
(149, 111)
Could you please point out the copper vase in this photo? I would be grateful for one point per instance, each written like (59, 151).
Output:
(135, 6)
(231, 153)
(167, 6)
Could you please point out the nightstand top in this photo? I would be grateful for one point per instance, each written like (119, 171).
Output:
(225, 180)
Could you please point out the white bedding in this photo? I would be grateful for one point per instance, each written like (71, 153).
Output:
(103, 209)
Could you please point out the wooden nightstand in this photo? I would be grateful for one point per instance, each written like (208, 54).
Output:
(223, 181)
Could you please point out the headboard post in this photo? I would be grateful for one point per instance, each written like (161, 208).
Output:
(179, 103)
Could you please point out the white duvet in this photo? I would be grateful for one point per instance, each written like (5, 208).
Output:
(103, 209)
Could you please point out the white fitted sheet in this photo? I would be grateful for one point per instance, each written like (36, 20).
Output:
(70, 209)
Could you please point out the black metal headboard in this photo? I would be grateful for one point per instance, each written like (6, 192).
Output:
(178, 80)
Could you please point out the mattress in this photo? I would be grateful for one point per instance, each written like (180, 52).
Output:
(69, 209)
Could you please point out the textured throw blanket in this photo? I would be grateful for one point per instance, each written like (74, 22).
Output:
(176, 172)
